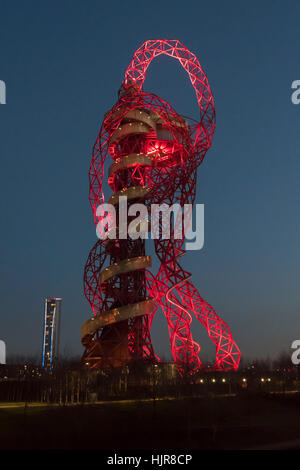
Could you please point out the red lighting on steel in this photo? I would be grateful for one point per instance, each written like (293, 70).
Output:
(154, 148)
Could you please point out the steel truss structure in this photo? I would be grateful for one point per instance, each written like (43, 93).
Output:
(156, 153)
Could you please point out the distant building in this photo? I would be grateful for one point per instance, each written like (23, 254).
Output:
(2, 352)
(51, 331)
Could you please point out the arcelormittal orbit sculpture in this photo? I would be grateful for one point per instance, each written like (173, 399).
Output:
(155, 155)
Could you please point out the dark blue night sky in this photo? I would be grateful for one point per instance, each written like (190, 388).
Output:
(63, 63)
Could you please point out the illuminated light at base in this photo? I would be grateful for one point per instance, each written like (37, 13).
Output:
(156, 153)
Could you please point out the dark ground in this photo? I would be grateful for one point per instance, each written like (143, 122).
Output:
(232, 422)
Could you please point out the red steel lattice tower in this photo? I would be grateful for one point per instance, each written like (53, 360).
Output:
(155, 154)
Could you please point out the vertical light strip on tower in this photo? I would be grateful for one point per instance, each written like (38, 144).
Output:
(51, 331)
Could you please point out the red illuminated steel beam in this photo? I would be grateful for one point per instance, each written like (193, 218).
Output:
(155, 156)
